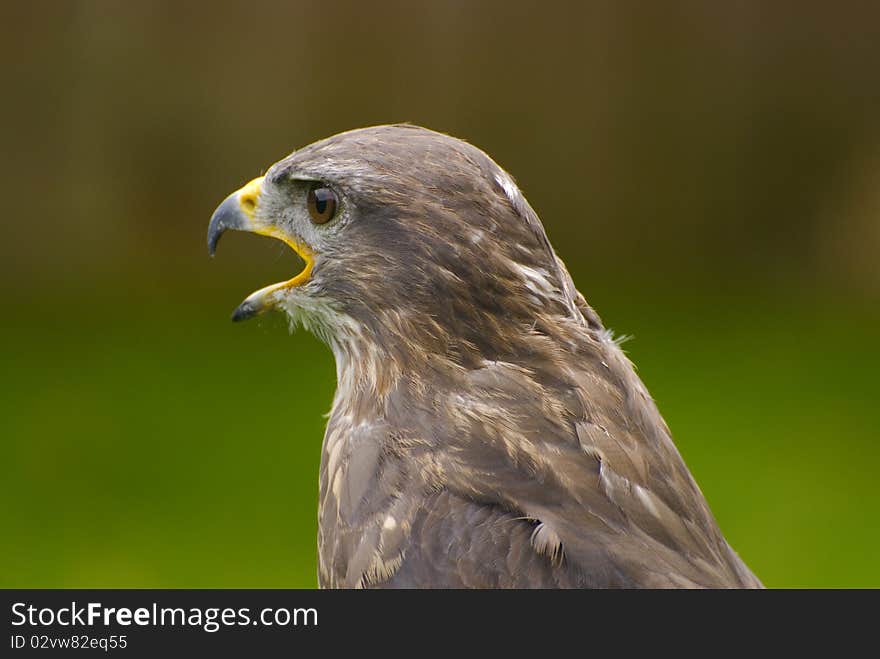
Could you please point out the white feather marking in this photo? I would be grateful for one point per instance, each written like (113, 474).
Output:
(476, 236)
(536, 280)
(619, 488)
(646, 498)
(509, 187)
(547, 543)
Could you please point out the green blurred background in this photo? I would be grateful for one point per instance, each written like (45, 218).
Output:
(709, 173)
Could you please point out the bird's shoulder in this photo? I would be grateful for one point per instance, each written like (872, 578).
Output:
(568, 439)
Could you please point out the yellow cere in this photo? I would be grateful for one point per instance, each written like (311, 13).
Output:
(248, 195)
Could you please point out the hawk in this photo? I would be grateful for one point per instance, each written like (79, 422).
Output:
(486, 430)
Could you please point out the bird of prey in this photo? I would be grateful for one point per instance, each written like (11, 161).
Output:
(486, 430)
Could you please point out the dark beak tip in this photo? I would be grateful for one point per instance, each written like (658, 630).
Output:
(244, 311)
(215, 230)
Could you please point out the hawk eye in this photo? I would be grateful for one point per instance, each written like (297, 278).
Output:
(322, 203)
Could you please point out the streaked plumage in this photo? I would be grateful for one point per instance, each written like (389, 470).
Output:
(486, 430)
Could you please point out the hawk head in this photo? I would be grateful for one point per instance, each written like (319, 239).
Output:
(414, 243)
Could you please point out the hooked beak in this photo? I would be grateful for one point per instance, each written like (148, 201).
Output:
(239, 213)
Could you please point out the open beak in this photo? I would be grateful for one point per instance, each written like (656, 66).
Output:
(239, 213)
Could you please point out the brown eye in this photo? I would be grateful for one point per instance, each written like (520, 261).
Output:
(322, 204)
